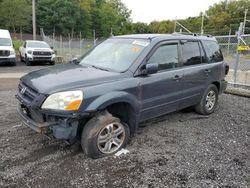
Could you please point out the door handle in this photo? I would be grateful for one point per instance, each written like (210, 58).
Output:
(207, 71)
(177, 77)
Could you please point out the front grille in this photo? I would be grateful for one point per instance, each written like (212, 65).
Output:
(26, 94)
(30, 99)
(41, 53)
(4, 53)
(41, 58)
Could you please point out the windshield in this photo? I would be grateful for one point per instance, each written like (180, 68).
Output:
(5, 42)
(115, 54)
(35, 44)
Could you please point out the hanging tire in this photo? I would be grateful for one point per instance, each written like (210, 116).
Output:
(104, 135)
(208, 101)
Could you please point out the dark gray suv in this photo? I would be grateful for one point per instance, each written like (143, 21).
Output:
(118, 84)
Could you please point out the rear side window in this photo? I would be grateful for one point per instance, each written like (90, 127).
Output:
(191, 53)
(213, 51)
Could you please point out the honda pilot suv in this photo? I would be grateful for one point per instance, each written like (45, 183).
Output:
(118, 84)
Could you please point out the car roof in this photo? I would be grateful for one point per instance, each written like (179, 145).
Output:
(167, 36)
(4, 33)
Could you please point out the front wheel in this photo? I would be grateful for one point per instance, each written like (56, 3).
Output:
(27, 62)
(104, 135)
(208, 101)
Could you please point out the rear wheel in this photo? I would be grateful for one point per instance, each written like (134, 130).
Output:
(104, 135)
(208, 101)
(21, 58)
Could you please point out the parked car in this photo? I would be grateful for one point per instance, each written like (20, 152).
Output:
(121, 82)
(7, 52)
(36, 51)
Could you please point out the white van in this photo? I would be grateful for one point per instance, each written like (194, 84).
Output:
(7, 52)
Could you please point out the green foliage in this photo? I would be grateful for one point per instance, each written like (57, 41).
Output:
(15, 13)
(218, 20)
(66, 17)
(17, 44)
(61, 16)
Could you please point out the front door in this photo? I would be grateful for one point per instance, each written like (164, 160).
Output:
(161, 92)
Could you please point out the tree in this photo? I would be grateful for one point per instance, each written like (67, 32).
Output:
(60, 16)
(15, 13)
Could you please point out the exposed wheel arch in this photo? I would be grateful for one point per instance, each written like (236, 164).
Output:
(217, 84)
(126, 113)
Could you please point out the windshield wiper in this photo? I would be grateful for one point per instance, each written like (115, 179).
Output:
(100, 68)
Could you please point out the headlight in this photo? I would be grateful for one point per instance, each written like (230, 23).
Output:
(12, 52)
(69, 100)
(29, 52)
(52, 52)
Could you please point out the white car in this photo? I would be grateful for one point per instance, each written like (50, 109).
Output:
(7, 52)
(36, 51)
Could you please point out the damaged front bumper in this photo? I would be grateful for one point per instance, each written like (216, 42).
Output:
(42, 128)
(64, 128)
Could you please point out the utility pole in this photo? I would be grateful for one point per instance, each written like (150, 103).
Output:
(245, 20)
(202, 24)
(175, 24)
(34, 18)
(237, 52)
(111, 31)
(94, 37)
(229, 41)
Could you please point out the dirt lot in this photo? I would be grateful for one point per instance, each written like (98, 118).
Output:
(181, 149)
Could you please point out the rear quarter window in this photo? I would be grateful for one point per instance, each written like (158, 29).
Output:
(213, 51)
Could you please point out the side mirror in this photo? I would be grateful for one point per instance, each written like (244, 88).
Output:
(51, 47)
(74, 61)
(151, 68)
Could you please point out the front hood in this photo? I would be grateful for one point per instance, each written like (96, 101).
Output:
(10, 48)
(66, 77)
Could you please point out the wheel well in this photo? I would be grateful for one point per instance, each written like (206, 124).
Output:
(126, 113)
(217, 84)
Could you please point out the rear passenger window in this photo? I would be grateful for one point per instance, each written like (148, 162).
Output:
(166, 57)
(191, 53)
(213, 51)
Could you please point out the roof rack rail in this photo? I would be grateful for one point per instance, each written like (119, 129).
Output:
(193, 34)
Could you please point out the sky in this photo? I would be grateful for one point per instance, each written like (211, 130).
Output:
(158, 10)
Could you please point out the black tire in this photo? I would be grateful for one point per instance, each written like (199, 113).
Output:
(205, 106)
(27, 62)
(52, 63)
(21, 58)
(92, 131)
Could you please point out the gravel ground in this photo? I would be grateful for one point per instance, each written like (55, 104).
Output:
(181, 149)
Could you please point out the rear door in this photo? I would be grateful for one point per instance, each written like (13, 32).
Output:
(196, 72)
(161, 92)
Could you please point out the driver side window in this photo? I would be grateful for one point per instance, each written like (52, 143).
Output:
(166, 57)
